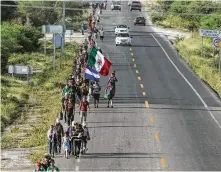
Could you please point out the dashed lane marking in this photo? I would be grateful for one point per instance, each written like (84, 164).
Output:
(137, 71)
(135, 65)
(139, 78)
(163, 163)
(130, 49)
(144, 94)
(147, 104)
(141, 85)
(133, 59)
(156, 136)
(132, 54)
(152, 119)
(78, 160)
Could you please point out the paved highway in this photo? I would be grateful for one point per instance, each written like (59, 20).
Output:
(164, 117)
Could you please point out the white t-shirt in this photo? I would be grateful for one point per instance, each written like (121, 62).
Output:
(101, 33)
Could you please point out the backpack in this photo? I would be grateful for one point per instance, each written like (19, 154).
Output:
(112, 80)
(85, 90)
(59, 128)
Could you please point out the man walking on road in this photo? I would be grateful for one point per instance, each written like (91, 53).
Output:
(96, 93)
(101, 34)
(84, 106)
(51, 140)
(60, 134)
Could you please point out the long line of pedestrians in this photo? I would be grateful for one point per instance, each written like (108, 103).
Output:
(76, 95)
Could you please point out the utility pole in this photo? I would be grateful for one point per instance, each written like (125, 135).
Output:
(63, 34)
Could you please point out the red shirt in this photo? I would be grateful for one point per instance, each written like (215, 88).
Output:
(83, 106)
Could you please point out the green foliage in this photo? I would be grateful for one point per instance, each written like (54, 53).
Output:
(189, 15)
(190, 51)
(8, 13)
(210, 22)
(157, 18)
(44, 16)
(16, 38)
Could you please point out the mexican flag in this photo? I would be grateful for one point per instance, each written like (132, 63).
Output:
(97, 60)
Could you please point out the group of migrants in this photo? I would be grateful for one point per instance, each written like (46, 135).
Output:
(76, 94)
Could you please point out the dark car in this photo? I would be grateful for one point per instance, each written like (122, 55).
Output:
(140, 20)
(135, 5)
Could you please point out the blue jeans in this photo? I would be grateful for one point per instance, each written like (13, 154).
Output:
(51, 147)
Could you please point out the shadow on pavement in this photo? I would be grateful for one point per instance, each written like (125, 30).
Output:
(119, 155)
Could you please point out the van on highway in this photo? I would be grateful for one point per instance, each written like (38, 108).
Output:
(135, 5)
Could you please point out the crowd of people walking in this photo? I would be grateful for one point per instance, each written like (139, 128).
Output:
(75, 98)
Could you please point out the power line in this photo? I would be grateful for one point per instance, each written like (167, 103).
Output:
(82, 9)
(187, 6)
(189, 14)
(40, 7)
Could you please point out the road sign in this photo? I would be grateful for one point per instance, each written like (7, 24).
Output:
(52, 29)
(217, 42)
(57, 40)
(19, 69)
(210, 33)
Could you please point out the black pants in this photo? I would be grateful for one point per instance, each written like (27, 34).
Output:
(101, 38)
(77, 147)
(58, 143)
(84, 143)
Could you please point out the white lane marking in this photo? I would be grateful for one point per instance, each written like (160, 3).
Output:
(78, 160)
(77, 168)
(201, 99)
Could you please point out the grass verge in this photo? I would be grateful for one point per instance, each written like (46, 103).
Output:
(45, 92)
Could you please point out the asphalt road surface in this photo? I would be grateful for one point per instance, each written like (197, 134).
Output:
(164, 117)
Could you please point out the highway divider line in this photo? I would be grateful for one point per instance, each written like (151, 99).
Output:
(141, 85)
(135, 65)
(144, 94)
(139, 78)
(163, 163)
(133, 59)
(137, 71)
(132, 54)
(156, 136)
(191, 86)
(147, 104)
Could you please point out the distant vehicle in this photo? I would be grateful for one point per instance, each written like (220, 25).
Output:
(123, 39)
(121, 29)
(116, 5)
(130, 1)
(140, 20)
(135, 5)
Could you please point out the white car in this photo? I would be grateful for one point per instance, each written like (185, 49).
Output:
(123, 39)
(116, 5)
(121, 29)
